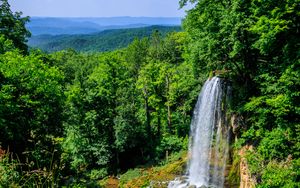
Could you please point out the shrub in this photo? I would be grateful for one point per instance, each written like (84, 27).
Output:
(9, 176)
(129, 175)
(274, 145)
(280, 175)
(171, 144)
(98, 174)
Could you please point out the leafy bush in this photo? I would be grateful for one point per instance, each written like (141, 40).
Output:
(171, 144)
(129, 175)
(9, 176)
(255, 162)
(280, 175)
(274, 145)
(98, 174)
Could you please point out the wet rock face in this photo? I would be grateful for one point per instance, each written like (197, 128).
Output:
(154, 184)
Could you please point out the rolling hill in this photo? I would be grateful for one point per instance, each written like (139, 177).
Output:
(107, 40)
(58, 26)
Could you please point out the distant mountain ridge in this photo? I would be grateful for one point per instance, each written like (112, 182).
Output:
(106, 40)
(58, 26)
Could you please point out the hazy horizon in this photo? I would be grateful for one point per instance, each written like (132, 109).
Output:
(98, 8)
(106, 17)
(85, 25)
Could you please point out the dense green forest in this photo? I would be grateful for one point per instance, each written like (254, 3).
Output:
(69, 118)
(107, 40)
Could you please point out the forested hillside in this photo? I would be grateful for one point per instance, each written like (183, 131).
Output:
(70, 118)
(107, 40)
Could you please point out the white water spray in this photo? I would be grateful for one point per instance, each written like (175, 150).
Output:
(209, 140)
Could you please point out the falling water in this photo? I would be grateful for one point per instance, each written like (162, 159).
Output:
(209, 139)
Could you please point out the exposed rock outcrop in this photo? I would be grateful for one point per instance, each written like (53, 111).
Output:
(246, 180)
(2, 153)
(236, 122)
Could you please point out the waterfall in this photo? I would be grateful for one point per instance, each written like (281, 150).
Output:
(209, 138)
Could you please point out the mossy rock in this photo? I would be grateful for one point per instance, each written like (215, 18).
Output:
(159, 176)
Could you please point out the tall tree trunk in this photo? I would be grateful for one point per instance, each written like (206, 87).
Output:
(169, 119)
(168, 104)
(158, 124)
(147, 113)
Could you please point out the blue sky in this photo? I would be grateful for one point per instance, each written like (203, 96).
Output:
(98, 8)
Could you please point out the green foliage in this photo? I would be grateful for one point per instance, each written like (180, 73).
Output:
(273, 22)
(280, 174)
(257, 44)
(130, 175)
(115, 100)
(98, 174)
(275, 144)
(276, 113)
(171, 144)
(5, 45)
(9, 176)
(12, 26)
(31, 105)
(255, 162)
(82, 116)
(73, 118)
(234, 172)
(273, 173)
